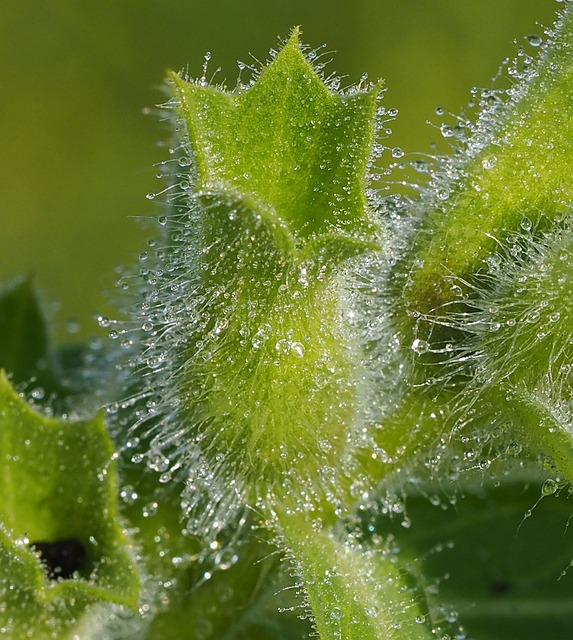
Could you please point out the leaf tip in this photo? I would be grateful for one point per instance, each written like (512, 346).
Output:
(294, 38)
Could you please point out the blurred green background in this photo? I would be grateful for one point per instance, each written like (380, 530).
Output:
(77, 152)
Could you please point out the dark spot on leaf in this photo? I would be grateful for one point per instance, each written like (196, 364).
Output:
(61, 558)
(500, 588)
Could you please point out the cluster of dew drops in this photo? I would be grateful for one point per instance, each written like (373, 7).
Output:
(469, 138)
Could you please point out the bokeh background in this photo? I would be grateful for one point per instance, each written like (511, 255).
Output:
(77, 151)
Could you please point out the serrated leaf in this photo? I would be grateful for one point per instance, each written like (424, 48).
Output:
(295, 147)
(58, 496)
(260, 357)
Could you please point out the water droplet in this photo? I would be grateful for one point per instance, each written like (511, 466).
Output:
(159, 463)
(550, 487)
(112, 408)
(38, 393)
(155, 361)
(489, 162)
(397, 152)
(317, 524)
(336, 613)
(73, 326)
(532, 316)
(103, 321)
(525, 223)
(282, 346)
(149, 510)
(447, 131)
(225, 559)
(535, 41)
(420, 346)
(128, 494)
(297, 349)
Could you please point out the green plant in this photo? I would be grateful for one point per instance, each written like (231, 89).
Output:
(330, 410)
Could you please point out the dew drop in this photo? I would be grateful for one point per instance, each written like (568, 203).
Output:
(282, 345)
(397, 152)
(38, 393)
(447, 131)
(420, 346)
(103, 321)
(532, 317)
(73, 326)
(535, 41)
(149, 510)
(336, 613)
(317, 524)
(297, 349)
(489, 162)
(128, 494)
(225, 559)
(550, 487)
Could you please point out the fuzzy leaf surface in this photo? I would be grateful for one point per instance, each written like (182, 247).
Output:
(58, 503)
(355, 592)
(515, 174)
(288, 142)
(266, 364)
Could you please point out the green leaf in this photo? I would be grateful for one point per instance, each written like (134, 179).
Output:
(498, 559)
(513, 172)
(27, 352)
(58, 497)
(295, 147)
(265, 365)
(25, 348)
(245, 595)
(523, 344)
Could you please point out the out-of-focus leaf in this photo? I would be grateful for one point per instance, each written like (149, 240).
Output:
(499, 559)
